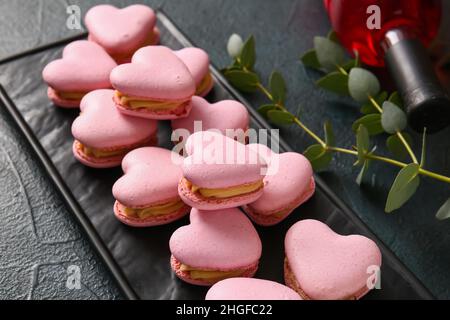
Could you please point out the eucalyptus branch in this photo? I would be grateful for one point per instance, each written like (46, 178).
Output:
(295, 119)
(344, 77)
(319, 140)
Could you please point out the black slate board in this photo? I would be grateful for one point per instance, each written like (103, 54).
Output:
(139, 258)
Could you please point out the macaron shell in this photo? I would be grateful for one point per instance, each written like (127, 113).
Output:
(264, 151)
(155, 72)
(250, 289)
(85, 66)
(269, 219)
(216, 240)
(120, 31)
(200, 139)
(327, 265)
(151, 221)
(151, 176)
(196, 60)
(223, 115)
(196, 201)
(217, 161)
(288, 177)
(100, 125)
(151, 156)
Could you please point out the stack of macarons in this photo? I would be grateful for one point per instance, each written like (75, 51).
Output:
(121, 32)
(147, 193)
(124, 83)
(103, 135)
(115, 37)
(85, 66)
(107, 77)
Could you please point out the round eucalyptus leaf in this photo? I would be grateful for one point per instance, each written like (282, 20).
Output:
(335, 82)
(362, 83)
(243, 81)
(280, 117)
(329, 53)
(396, 147)
(266, 108)
(319, 157)
(277, 87)
(309, 59)
(372, 122)
(393, 118)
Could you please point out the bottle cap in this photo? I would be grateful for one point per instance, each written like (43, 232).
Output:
(427, 104)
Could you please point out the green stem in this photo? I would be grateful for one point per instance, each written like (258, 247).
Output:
(375, 104)
(402, 165)
(392, 162)
(369, 156)
(296, 120)
(407, 146)
(398, 133)
(308, 131)
(387, 160)
(266, 93)
(342, 70)
(434, 175)
(342, 150)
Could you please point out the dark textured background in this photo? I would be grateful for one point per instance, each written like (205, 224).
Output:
(39, 239)
(283, 29)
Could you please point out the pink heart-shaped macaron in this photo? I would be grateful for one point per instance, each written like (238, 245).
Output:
(220, 172)
(102, 127)
(321, 264)
(157, 74)
(197, 61)
(223, 240)
(250, 289)
(150, 179)
(222, 115)
(288, 183)
(122, 31)
(84, 66)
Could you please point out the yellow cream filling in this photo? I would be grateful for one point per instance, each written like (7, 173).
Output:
(138, 103)
(198, 274)
(70, 95)
(157, 210)
(204, 84)
(226, 192)
(98, 153)
(278, 214)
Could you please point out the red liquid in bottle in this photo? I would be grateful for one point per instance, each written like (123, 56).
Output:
(420, 18)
